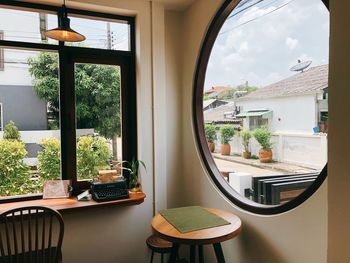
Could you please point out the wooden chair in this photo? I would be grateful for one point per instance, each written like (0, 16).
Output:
(158, 245)
(31, 234)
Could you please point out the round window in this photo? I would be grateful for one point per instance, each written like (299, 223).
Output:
(261, 102)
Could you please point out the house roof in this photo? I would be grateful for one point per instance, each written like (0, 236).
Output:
(217, 89)
(221, 114)
(311, 81)
(206, 103)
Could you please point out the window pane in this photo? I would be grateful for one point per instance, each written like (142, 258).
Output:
(266, 98)
(98, 113)
(29, 93)
(101, 34)
(25, 26)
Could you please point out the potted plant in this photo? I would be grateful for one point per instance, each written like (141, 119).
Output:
(227, 132)
(210, 134)
(134, 178)
(263, 136)
(246, 135)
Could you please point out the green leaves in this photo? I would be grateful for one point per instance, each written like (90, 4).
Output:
(246, 135)
(11, 132)
(97, 92)
(227, 132)
(263, 136)
(210, 132)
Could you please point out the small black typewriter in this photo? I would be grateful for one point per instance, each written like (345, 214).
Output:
(109, 191)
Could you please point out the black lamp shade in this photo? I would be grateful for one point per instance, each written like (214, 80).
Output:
(63, 32)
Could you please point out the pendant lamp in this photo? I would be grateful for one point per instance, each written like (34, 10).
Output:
(63, 32)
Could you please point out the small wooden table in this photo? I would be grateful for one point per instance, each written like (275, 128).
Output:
(214, 235)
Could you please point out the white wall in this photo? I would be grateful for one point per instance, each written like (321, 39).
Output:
(307, 150)
(297, 236)
(297, 113)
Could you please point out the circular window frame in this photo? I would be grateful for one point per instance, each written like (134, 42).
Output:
(198, 124)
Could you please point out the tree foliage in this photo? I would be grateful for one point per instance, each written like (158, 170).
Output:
(11, 132)
(15, 176)
(227, 132)
(97, 92)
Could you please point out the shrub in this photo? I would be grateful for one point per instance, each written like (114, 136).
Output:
(246, 135)
(92, 155)
(263, 136)
(210, 132)
(11, 132)
(227, 132)
(49, 159)
(15, 176)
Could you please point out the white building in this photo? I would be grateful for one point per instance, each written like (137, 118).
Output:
(296, 104)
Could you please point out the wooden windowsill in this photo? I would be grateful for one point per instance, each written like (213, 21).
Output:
(64, 204)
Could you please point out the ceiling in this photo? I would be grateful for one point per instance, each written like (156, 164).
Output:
(175, 4)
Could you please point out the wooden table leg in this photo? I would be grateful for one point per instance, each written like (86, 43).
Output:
(218, 252)
(174, 252)
(200, 254)
(192, 254)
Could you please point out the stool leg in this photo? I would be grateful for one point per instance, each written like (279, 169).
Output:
(152, 257)
(200, 254)
(174, 251)
(161, 257)
(192, 254)
(218, 252)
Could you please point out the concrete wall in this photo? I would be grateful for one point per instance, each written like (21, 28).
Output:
(297, 113)
(295, 148)
(21, 105)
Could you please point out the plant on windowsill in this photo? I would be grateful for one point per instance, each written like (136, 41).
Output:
(263, 136)
(210, 134)
(227, 132)
(134, 176)
(246, 135)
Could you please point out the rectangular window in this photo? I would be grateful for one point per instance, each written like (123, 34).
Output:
(101, 34)
(29, 76)
(93, 90)
(257, 122)
(98, 118)
(26, 26)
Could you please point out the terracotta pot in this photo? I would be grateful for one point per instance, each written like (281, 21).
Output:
(265, 155)
(246, 155)
(211, 146)
(225, 149)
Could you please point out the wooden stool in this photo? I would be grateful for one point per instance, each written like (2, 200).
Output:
(158, 245)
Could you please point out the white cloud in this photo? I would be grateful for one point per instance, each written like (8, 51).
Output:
(263, 50)
(291, 43)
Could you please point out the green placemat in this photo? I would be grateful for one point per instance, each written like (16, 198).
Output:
(191, 218)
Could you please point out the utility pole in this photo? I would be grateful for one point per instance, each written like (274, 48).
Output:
(109, 36)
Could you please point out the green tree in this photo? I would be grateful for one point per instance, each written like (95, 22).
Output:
(11, 132)
(97, 94)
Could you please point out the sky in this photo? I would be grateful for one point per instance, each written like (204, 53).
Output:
(261, 43)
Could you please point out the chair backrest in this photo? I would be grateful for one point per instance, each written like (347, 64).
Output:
(31, 234)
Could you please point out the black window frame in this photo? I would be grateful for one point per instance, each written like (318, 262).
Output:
(67, 57)
(198, 123)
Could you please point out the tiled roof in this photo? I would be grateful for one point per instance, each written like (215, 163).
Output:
(312, 80)
(217, 89)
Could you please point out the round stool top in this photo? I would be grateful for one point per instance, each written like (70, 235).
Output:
(158, 244)
(161, 227)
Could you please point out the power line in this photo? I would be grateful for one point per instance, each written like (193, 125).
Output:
(253, 19)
